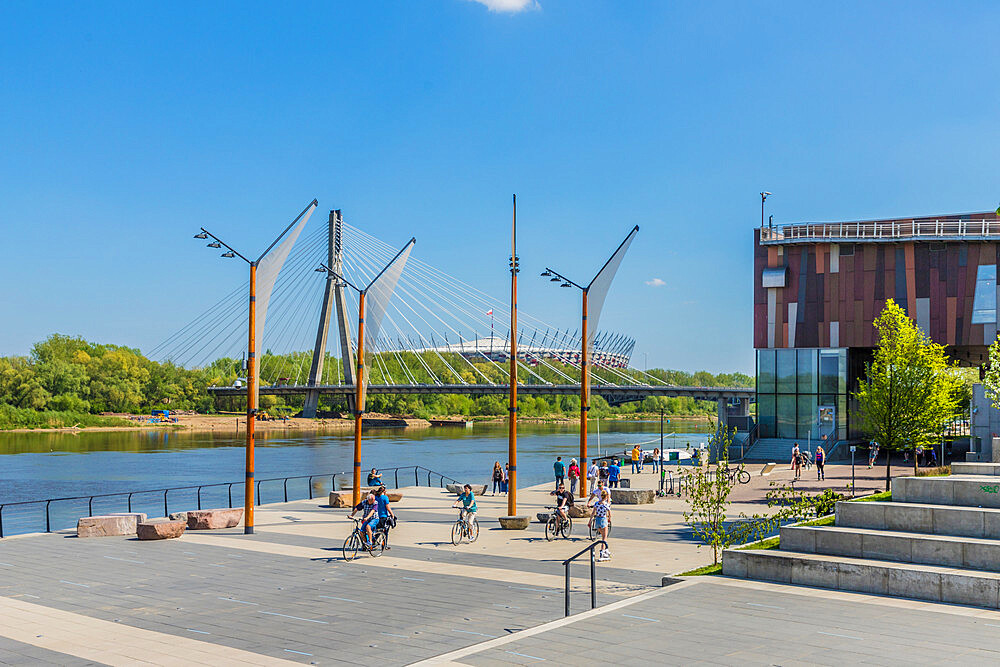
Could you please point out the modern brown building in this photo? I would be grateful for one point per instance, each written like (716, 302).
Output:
(818, 288)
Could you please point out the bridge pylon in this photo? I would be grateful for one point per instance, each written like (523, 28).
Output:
(333, 297)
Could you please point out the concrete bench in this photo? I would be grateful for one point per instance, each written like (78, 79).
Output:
(767, 469)
(160, 529)
(214, 519)
(346, 498)
(107, 525)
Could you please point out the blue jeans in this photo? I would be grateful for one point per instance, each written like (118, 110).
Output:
(636, 466)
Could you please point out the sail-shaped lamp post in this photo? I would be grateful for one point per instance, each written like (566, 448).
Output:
(263, 272)
(380, 288)
(593, 301)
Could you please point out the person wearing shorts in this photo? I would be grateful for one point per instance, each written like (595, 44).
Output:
(602, 509)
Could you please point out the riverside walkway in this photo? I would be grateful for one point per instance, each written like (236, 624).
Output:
(285, 595)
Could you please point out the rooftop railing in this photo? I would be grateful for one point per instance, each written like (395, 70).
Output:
(941, 229)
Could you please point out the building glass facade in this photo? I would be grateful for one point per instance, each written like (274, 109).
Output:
(802, 393)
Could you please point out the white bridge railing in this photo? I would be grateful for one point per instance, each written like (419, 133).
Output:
(883, 230)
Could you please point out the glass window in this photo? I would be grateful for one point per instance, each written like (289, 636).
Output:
(984, 304)
(841, 371)
(807, 416)
(842, 416)
(786, 416)
(806, 366)
(765, 372)
(829, 371)
(765, 415)
(785, 371)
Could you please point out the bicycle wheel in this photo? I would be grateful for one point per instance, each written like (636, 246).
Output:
(473, 533)
(567, 527)
(351, 546)
(592, 530)
(551, 528)
(378, 544)
(744, 477)
(456, 533)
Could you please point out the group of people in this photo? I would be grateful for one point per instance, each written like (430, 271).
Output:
(800, 459)
(599, 504)
(375, 513)
(501, 476)
(610, 474)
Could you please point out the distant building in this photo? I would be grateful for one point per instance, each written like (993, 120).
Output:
(818, 288)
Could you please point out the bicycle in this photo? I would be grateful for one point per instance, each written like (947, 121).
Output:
(738, 476)
(355, 542)
(557, 524)
(593, 531)
(464, 529)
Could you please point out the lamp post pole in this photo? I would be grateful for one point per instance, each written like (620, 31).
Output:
(584, 397)
(512, 420)
(359, 407)
(248, 521)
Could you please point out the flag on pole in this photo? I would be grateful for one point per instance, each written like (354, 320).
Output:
(489, 312)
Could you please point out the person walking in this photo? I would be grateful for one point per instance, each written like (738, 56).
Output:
(574, 475)
(797, 460)
(601, 510)
(795, 456)
(872, 453)
(497, 477)
(820, 460)
(506, 478)
(559, 468)
(614, 474)
(656, 460)
(604, 472)
(636, 460)
(592, 473)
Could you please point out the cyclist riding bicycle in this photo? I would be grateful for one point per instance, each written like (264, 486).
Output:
(369, 517)
(565, 500)
(468, 501)
(384, 511)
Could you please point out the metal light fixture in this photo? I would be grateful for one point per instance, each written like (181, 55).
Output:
(201, 235)
(546, 274)
(228, 254)
(554, 280)
(214, 244)
(565, 285)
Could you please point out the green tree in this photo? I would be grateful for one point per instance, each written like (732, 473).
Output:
(910, 389)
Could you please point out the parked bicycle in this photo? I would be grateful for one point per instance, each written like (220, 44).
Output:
(557, 525)
(464, 529)
(738, 476)
(355, 542)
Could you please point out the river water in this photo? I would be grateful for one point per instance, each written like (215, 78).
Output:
(39, 466)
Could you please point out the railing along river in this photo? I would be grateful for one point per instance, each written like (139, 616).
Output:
(31, 515)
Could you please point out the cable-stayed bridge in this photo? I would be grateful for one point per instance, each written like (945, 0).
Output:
(438, 335)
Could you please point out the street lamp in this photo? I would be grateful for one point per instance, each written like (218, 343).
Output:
(382, 293)
(600, 285)
(763, 198)
(248, 505)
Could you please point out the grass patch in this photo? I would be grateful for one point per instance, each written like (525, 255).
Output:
(703, 571)
(934, 472)
(884, 496)
(11, 418)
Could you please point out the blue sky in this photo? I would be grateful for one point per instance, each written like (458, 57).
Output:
(126, 126)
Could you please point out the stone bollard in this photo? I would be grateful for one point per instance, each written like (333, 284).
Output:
(160, 529)
(214, 519)
(107, 525)
(514, 522)
(632, 496)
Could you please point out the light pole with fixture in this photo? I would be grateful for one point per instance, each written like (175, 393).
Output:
(382, 286)
(600, 285)
(763, 198)
(252, 367)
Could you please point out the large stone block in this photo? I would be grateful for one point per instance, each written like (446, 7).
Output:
(886, 547)
(991, 524)
(160, 529)
(918, 584)
(860, 515)
(982, 556)
(809, 572)
(976, 492)
(514, 522)
(769, 568)
(931, 490)
(797, 539)
(579, 512)
(968, 522)
(457, 489)
(214, 519)
(107, 525)
(734, 563)
(962, 468)
(346, 498)
(838, 542)
(862, 578)
(969, 589)
(632, 496)
(907, 517)
(937, 550)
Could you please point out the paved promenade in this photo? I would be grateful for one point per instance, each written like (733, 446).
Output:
(285, 595)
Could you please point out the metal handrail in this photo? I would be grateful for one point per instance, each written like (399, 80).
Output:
(166, 511)
(937, 228)
(593, 573)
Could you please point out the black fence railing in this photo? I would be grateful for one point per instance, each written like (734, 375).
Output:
(58, 513)
(593, 573)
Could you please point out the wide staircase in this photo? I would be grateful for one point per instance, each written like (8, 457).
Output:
(938, 539)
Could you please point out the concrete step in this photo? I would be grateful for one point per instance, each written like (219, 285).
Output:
(920, 518)
(906, 547)
(964, 490)
(772, 449)
(962, 468)
(922, 582)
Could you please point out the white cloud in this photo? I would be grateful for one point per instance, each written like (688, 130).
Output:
(656, 282)
(511, 6)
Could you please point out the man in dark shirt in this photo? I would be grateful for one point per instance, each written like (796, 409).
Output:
(565, 500)
(559, 468)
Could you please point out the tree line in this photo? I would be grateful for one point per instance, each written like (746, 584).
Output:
(74, 377)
